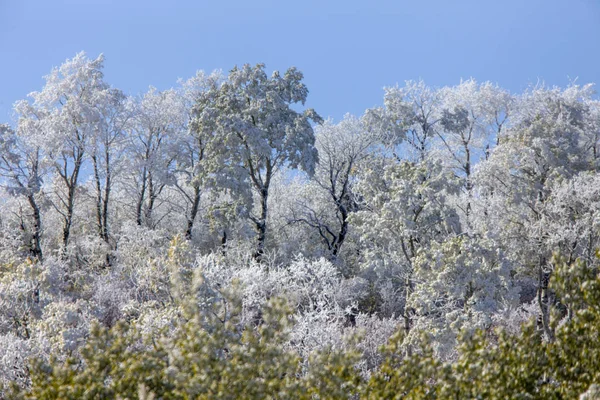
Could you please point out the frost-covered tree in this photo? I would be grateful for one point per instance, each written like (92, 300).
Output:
(193, 146)
(411, 115)
(547, 144)
(459, 285)
(342, 148)
(22, 170)
(572, 218)
(258, 131)
(107, 150)
(473, 118)
(405, 211)
(158, 117)
(69, 110)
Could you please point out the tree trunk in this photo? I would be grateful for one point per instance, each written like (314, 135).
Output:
(261, 225)
(99, 219)
(263, 190)
(193, 213)
(71, 183)
(469, 184)
(544, 299)
(151, 198)
(341, 236)
(102, 198)
(141, 198)
(36, 249)
(68, 222)
(224, 242)
(107, 190)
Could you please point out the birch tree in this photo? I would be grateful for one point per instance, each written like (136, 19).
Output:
(157, 120)
(69, 104)
(107, 150)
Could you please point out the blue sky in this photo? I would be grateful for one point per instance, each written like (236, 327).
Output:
(348, 50)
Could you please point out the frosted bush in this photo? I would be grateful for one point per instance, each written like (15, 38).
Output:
(66, 324)
(303, 283)
(140, 263)
(111, 296)
(153, 317)
(512, 318)
(14, 357)
(317, 329)
(374, 332)
(20, 298)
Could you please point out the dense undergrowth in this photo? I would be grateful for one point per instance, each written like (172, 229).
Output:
(211, 351)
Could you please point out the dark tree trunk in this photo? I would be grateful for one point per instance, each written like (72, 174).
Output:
(543, 297)
(71, 183)
(261, 225)
(193, 213)
(141, 198)
(105, 209)
(224, 242)
(99, 218)
(341, 236)
(151, 199)
(103, 190)
(263, 190)
(36, 249)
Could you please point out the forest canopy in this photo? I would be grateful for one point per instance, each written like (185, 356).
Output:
(220, 239)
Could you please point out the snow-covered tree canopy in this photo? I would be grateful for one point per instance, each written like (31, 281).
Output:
(179, 217)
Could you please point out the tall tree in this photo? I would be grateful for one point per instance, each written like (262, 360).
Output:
(405, 211)
(547, 144)
(342, 148)
(69, 102)
(473, 117)
(158, 118)
(258, 131)
(193, 143)
(107, 148)
(411, 114)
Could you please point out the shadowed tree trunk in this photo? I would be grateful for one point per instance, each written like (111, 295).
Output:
(193, 212)
(70, 180)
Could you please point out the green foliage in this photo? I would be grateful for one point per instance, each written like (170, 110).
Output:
(404, 377)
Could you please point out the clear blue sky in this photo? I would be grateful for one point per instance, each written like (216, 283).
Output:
(348, 50)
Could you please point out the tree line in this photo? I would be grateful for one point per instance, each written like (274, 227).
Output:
(437, 212)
